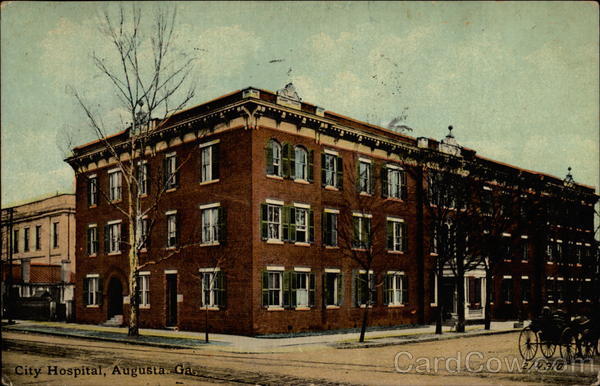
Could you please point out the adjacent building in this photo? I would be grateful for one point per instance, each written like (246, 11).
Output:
(264, 201)
(38, 239)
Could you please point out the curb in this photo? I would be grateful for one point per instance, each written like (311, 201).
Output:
(345, 346)
(107, 339)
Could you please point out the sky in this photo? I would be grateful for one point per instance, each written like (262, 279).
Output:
(517, 80)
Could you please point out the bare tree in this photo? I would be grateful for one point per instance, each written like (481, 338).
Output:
(149, 81)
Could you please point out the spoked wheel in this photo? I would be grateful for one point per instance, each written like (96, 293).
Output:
(568, 345)
(528, 343)
(548, 349)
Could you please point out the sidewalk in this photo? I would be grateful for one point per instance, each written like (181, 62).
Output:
(245, 344)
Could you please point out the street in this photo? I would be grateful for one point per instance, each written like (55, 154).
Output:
(40, 359)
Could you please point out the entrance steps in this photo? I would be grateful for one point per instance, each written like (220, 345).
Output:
(115, 321)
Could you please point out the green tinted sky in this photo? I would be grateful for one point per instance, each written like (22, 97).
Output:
(519, 81)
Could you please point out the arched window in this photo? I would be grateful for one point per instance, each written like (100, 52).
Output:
(301, 163)
(274, 158)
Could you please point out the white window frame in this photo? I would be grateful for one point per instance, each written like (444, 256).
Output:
(276, 154)
(93, 287)
(209, 277)
(142, 178)
(301, 210)
(273, 225)
(271, 273)
(171, 160)
(93, 251)
(398, 284)
(171, 229)
(337, 277)
(144, 289)
(115, 185)
(114, 234)
(210, 228)
(365, 181)
(334, 233)
(330, 169)
(92, 190)
(394, 181)
(300, 163)
(397, 245)
(206, 163)
(361, 218)
(55, 235)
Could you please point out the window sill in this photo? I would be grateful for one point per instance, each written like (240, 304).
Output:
(332, 307)
(359, 249)
(525, 302)
(92, 206)
(92, 306)
(434, 304)
(332, 247)
(171, 248)
(302, 181)
(505, 302)
(525, 261)
(114, 253)
(397, 199)
(274, 177)
(210, 244)
(550, 301)
(116, 201)
(143, 195)
(275, 308)
(396, 305)
(171, 190)
(550, 262)
(507, 261)
(143, 250)
(145, 307)
(92, 255)
(302, 308)
(332, 188)
(364, 306)
(275, 241)
(209, 182)
(210, 308)
(396, 252)
(366, 194)
(433, 254)
(300, 244)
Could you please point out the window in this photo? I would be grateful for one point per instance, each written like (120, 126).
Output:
(433, 283)
(213, 288)
(330, 221)
(507, 289)
(393, 182)
(272, 289)
(114, 185)
(38, 237)
(213, 224)
(92, 290)
(143, 284)
(92, 240)
(525, 289)
(271, 222)
(364, 288)
(550, 289)
(474, 293)
(144, 241)
(55, 235)
(524, 249)
(170, 171)
(15, 241)
(362, 231)
(92, 190)
(112, 237)
(365, 177)
(273, 158)
(301, 223)
(333, 288)
(332, 169)
(506, 248)
(142, 177)
(171, 229)
(396, 289)
(209, 161)
(396, 235)
(303, 289)
(25, 239)
(300, 163)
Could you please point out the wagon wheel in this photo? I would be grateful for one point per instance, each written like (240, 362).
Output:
(547, 348)
(588, 346)
(528, 343)
(568, 345)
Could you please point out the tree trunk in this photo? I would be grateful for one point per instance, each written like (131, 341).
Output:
(440, 308)
(206, 325)
(460, 293)
(133, 305)
(363, 328)
(487, 321)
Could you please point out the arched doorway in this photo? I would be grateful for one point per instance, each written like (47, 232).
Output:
(115, 297)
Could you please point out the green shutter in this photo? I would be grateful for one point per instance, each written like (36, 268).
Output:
(371, 180)
(265, 288)
(384, 182)
(387, 290)
(325, 229)
(215, 161)
(405, 290)
(89, 241)
(106, 239)
(86, 286)
(340, 173)
(165, 173)
(355, 288)
(311, 160)
(404, 237)
(323, 174)
(269, 158)
(390, 235)
(292, 161)
(311, 226)
(100, 291)
(287, 301)
(123, 241)
(285, 223)
(356, 242)
(372, 289)
(311, 289)
(264, 230)
(221, 289)
(340, 289)
(285, 160)
(358, 176)
(404, 187)
(222, 224)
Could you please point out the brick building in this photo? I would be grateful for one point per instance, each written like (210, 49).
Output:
(256, 184)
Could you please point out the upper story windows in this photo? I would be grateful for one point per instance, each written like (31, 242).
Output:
(172, 229)
(393, 182)
(55, 235)
(38, 237)
(92, 190)
(274, 158)
(15, 241)
(112, 237)
(115, 185)
(332, 169)
(330, 225)
(209, 161)
(143, 174)
(287, 223)
(397, 237)
(213, 224)
(362, 231)
(300, 162)
(92, 240)
(365, 176)
(271, 221)
(170, 176)
(289, 161)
